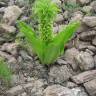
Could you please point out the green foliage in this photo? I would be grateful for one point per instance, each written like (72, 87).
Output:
(47, 46)
(5, 72)
(70, 6)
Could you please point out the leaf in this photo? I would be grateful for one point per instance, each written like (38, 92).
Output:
(63, 37)
(51, 54)
(35, 42)
(5, 72)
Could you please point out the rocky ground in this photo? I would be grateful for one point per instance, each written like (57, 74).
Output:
(73, 74)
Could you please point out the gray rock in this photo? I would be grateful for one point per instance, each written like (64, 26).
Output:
(84, 77)
(35, 87)
(59, 74)
(91, 87)
(71, 85)
(85, 60)
(17, 79)
(93, 5)
(59, 18)
(95, 60)
(84, 1)
(94, 41)
(79, 92)
(10, 48)
(15, 91)
(87, 10)
(88, 35)
(61, 62)
(4, 28)
(11, 14)
(70, 55)
(58, 90)
(90, 21)
(77, 16)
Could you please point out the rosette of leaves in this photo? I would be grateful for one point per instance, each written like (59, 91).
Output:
(47, 46)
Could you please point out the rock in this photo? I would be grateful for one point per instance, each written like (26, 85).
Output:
(11, 14)
(17, 79)
(88, 35)
(84, 77)
(70, 55)
(71, 85)
(59, 18)
(87, 9)
(79, 92)
(94, 41)
(93, 5)
(4, 28)
(89, 21)
(83, 2)
(91, 87)
(58, 90)
(21, 3)
(85, 60)
(77, 16)
(6, 56)
(10, 48)
(15, 91)
(35, 87)
(56, 29)
(23, 94)
(81, 45)
(61, 62)
(95, 60)
(59, 74)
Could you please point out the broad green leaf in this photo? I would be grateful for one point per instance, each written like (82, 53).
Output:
(51, 54)
(63, 37)
(35, 42)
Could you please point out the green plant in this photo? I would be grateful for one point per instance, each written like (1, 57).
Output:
(47, 46)
(5, 72)
(70, 6)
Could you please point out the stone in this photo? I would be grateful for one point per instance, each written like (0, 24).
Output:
(10, 48)
(35, 87)
(15, 91)
(17, 79)
(71, 85)
(77, 16)
(84, 77)
(59, 74)
(61, 62)
(56, 29)
(4, 28)
(91, 87)
(11, 14)
(93, 5)
(95, 60)
(89, 21)
(59, 18)
(87, 9)
(88, 35)
(94, 41)
(79, 91)
(83, 2)
(58, 90)
(70, 55)
(85, 61)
